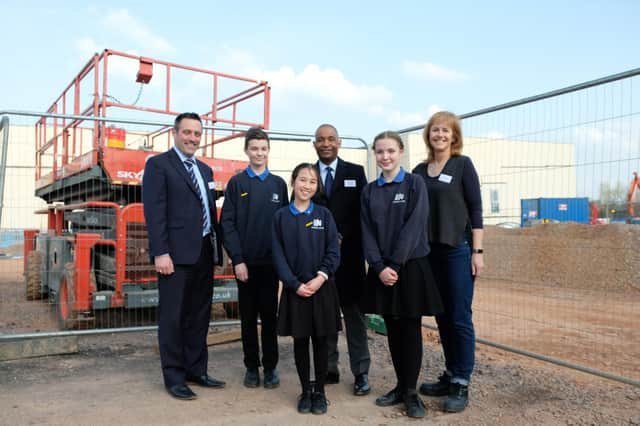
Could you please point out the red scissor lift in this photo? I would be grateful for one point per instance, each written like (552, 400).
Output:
(94, 255)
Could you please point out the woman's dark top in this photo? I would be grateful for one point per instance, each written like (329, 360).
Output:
(454, 198)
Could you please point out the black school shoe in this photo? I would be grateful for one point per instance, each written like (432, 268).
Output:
(458, 398)
(318, 403)
(390, 398)
(415, 406)
(252, 378)
(361, 385)
(271, 379)
(304, 402)
(439, 388)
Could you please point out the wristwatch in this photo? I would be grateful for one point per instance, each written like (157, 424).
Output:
(478, 251)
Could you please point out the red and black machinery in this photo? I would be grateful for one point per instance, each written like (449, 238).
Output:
(89, 166)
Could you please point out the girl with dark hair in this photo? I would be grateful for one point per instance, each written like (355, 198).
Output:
(400, 285)
(306, 254)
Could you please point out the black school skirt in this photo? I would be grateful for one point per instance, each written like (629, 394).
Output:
(318, 315)
(415, 294)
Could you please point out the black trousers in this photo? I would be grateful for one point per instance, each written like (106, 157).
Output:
(303, 362)
(259, 296)
(184, 311)
(405, 345)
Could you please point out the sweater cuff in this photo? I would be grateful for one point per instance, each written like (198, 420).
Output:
(236, 260)
(293, 285)
(378, 267)
(394, 266)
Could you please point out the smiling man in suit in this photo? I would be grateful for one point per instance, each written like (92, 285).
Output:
(178, 194)
(343, 183)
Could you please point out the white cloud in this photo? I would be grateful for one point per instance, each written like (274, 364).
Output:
(136, 31)
(431, 72)
(408, 119)
(329, 85)
(118, 65)
(593, 134)
(87, 47)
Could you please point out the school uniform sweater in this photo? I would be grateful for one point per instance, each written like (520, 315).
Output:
(394, 229)
(304, 243)
(247, 214)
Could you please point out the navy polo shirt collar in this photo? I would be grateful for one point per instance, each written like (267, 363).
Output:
(262, 176)
(398, 179)
(296, 212)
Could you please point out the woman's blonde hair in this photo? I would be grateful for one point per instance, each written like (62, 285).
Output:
(449, 119)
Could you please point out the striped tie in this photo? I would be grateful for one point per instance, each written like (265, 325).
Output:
(190, 163)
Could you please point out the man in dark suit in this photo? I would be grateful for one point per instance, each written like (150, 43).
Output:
(179, 208)
(343, 183)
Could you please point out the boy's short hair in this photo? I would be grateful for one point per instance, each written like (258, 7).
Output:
(255, 133)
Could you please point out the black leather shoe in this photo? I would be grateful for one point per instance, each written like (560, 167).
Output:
(271, 379)
(181, 392)
(206, 381)
(318, 403)
(361, 386)
(391, 398)
(439, 388)
(415, 406)
(304, 402)
(252, 378)
(333, 377)
(458, 398)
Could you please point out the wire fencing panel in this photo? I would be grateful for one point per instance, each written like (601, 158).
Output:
(562, 249)
(79, 260)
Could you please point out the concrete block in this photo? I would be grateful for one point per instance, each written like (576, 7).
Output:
(29, 348)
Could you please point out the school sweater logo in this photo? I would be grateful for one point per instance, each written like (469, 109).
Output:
(399, 198)
(315, 224)
(275, 198)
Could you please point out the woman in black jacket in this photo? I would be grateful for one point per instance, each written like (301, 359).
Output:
(455, 234)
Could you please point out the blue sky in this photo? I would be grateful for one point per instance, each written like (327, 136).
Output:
(364, 66)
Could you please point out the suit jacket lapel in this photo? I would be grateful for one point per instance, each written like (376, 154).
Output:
(338, 181)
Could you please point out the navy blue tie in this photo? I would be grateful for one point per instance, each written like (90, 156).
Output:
(192, 175)
(328, 182)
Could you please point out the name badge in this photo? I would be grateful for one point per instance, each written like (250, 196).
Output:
(445, 178)
(349, 183)
(212, 185)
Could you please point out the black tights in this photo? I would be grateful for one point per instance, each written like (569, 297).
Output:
(405, 345)
(303, 363)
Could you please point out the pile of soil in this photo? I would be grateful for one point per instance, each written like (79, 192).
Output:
(588, 257)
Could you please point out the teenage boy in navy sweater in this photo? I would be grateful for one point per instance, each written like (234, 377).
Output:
(251, 199)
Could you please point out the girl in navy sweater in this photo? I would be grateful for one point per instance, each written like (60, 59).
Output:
(400, 285)
(306, 254)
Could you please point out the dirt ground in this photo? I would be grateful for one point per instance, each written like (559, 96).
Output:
(567, 292)
(115, 379)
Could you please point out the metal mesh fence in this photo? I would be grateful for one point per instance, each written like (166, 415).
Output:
(73, 242)
(561, 239)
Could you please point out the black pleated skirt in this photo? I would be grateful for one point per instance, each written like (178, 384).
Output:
(318, 315)
(415, 294)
